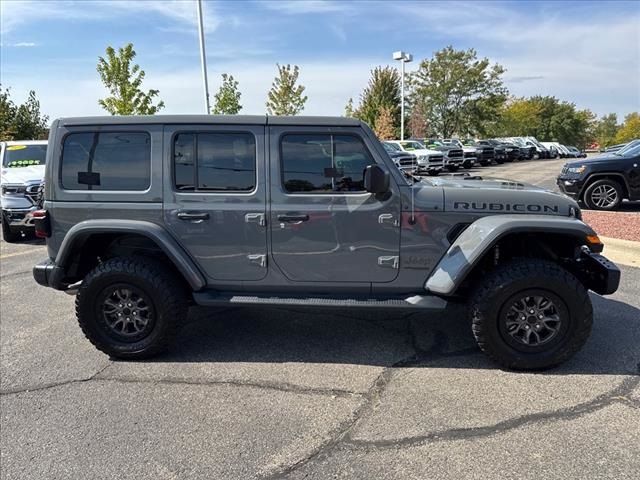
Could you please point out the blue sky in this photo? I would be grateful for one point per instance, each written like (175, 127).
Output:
(586, 52)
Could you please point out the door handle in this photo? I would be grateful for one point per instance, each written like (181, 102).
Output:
(293, 218)
(193, 216)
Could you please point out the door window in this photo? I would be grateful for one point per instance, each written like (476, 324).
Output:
(323, 163)
(215, 162)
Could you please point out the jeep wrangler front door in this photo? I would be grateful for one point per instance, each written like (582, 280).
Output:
(324, 226)
(215, 197)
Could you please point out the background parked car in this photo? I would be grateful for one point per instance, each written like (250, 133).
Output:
(453, 155)
(430, 162)
(602, 182)
(22, 175)
(403, 160)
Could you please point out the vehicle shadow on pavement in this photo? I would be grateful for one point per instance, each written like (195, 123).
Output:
(279, 335)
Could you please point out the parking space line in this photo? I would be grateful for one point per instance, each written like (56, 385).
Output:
(24, 252)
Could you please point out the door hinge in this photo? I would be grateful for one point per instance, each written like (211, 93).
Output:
(389, 261)
(388, 219)
(255, 218)
(258, 259)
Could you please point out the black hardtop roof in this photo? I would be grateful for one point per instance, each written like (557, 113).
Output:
(210, 119)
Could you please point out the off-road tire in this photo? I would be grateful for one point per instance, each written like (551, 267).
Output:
(605, 183)
(490, 302)
(158, 283)
(8, 234)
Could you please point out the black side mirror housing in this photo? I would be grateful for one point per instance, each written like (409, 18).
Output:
(376, 180)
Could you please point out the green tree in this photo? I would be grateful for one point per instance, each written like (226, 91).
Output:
(518, 117)
(7, 115)
(285, 97)
(382, 91)
(227, 100)
(348, 108)
(22, 122)
(630, 129)
(605, 129)
(385, 128)
(460, 93)
(124, 81)
(561, 122)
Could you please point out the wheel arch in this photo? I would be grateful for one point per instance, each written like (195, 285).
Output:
(87, 242)
(618, 177)
(528, 235)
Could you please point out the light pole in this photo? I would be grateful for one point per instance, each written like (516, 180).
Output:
(203, 58)
(403, 57)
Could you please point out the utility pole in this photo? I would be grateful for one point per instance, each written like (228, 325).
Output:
(403, 58)
(203, 58)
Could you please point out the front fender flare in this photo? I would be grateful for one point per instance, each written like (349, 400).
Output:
(477, 239)
(77, 235)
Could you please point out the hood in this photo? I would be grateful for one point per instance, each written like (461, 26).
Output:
(425, 151)
(22, 175)
(495, 196)
(606, 157)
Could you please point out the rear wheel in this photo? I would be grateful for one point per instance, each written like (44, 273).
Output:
(531, 315)
(603, 194)
(130, 308)
(8, 234)
(453, 168)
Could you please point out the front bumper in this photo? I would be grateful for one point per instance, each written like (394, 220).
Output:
(602, 275)
(570, 186)
(19, 218)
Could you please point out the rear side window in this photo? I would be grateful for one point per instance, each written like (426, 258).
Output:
(215, 162)
(106, 161)
(323, 163)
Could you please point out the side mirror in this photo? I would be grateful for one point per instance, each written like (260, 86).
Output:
(376, 180)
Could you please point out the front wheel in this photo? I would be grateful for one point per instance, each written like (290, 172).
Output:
(130, 308)
(603, 194)
(453, 168)
(531, 315)
(8, 234)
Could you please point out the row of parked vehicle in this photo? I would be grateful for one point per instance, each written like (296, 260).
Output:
(432, 156)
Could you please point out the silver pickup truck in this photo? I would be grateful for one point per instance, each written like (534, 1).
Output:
(144, 216)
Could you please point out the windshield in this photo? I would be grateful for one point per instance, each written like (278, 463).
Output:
(412, 145)
(391, 147)
(630, 149)
(16, 156)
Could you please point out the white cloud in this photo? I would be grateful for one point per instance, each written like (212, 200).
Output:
(19, 12)
(301, 7)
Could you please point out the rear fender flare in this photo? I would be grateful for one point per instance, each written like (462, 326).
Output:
(79, 233)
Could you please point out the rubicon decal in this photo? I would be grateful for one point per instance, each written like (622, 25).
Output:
(506, 207)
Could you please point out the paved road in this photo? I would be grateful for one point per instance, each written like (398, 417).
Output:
(278, 393)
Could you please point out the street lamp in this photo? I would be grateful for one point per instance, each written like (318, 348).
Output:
(203, 59)
(403, 57)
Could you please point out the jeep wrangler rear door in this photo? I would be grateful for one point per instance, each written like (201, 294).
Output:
(215, 197)
(324, 226)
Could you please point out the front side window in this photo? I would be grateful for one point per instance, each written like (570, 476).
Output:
(106, 161)
(215, 162)
(323, 163)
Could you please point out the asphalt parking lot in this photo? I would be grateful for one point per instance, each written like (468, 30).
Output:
(283, 393)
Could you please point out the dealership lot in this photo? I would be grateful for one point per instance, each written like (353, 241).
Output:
(282, 393)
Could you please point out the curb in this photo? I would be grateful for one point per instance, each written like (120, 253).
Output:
(625, 252)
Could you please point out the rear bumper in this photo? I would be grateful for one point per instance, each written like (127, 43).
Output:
(48, 274)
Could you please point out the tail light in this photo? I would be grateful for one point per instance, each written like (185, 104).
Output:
(41, 223)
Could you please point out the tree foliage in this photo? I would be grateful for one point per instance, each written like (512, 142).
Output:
(227, 100)
(348, 108)
(285, 96)
(459, 93)
(382, 92)
(519, 117)
(605, 130)
(21, 122)
(418, 124)
(124, 81)
(630, 129)
(385, 128)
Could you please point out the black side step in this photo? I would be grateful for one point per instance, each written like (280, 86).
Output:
(416, 302)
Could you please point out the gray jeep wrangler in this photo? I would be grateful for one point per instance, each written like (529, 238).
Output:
(145, 216)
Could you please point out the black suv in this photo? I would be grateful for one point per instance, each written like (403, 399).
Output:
(603, 182)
